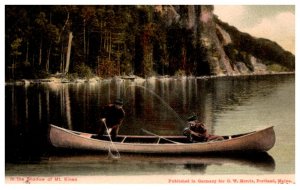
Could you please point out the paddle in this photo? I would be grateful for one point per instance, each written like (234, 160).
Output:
(110, 154)
(150, 133)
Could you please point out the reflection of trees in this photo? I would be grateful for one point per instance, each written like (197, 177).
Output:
(150, 111)
(66, 105)
(29, 110)
(158, 106)
(204, 97)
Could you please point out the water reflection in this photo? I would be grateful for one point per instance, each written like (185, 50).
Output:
(160, 108)
(80, 163)
(261, 161)
(162, 104)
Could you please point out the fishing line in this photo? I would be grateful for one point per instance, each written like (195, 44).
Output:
(161, 100)
(110, 154)
(175, 142)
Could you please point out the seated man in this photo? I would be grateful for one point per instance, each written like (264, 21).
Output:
(197, 132)
(111, 117)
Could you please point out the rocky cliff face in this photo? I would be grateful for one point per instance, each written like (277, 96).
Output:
(227, 51)
(219, 61)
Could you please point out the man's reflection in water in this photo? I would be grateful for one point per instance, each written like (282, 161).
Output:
(196, 168)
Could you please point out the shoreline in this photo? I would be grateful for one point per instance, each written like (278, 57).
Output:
(54, 79)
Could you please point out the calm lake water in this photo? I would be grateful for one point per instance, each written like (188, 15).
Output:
(227, 105)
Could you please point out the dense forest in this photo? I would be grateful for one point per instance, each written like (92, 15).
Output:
(104, 41)
(107, 41)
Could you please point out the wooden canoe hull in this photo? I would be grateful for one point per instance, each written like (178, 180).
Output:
(261, 140)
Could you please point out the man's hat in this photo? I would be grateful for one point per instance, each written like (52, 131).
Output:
(119, 102)
(192, 118)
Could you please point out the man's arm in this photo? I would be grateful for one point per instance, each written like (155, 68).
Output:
(114, 131)
(197, 134)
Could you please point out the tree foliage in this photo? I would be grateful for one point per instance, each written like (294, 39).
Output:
(115, 40)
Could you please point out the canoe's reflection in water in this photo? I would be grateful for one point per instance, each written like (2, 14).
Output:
(261, 161)
(143, 164)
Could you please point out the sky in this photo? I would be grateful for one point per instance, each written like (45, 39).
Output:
(274, 22)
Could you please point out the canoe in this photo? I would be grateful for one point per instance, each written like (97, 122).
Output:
(258, 141)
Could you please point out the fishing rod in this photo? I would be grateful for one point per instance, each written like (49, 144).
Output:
(150, 133)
